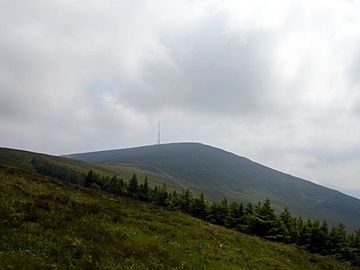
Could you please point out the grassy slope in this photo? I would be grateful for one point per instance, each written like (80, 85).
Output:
(22, 159)
(220, 174)
(45, 224)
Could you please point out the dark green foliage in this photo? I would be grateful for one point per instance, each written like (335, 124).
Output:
(236, 214)
(144, 190)
(264, 222)
(289, 223)
(116, 186)
(337, 239)
(133, 188)
(51, 169)
(186, 200)
(160, 195)
(200, 207)
(89, 179)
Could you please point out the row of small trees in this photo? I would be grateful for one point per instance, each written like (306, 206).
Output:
(256, 219)
(48, 168)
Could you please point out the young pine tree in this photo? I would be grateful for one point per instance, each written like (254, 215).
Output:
(200, 208)
(133, 187)
(89, 179)
(144, 190)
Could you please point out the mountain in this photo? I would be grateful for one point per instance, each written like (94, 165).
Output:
(218, 174)
(49, 224)
(352, 192)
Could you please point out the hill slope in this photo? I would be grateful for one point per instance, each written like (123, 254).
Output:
(221, 174)
(46, 224)
(22, 159)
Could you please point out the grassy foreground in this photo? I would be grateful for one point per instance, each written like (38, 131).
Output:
(45, 224)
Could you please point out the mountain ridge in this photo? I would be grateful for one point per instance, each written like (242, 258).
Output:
(200, 144)
(219, 173)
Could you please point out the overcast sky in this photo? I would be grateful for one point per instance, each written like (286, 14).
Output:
(275, 81)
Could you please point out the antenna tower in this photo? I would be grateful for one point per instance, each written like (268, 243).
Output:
(158, 139)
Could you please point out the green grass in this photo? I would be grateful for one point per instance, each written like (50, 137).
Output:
(22, 159)
(46, 224)
(154, 178)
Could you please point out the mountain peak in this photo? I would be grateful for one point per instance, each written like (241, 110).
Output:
(218, 174)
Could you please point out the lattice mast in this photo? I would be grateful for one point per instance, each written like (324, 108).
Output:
(158, 139)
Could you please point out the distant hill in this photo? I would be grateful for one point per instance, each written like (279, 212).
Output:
(48, 224)
(218, 174)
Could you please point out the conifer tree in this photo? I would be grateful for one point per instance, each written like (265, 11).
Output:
(265, 220)
(289, 223)
(116, 185)
(186, 201)
(337, 239)
(200, 208)
(133, 187)
(144, 190)
(89, 179)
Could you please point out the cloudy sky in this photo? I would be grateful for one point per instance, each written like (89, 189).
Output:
(276, 81)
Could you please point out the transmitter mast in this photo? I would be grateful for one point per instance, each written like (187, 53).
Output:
(158, 139)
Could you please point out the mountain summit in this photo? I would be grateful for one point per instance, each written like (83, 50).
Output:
(218, 174)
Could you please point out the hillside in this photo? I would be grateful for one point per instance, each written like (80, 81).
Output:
(220, 174)
(22, 159)
(46, 224)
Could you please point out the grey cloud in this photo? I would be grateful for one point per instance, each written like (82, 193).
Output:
(211, 71)
(353, 69)
(80, 76)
